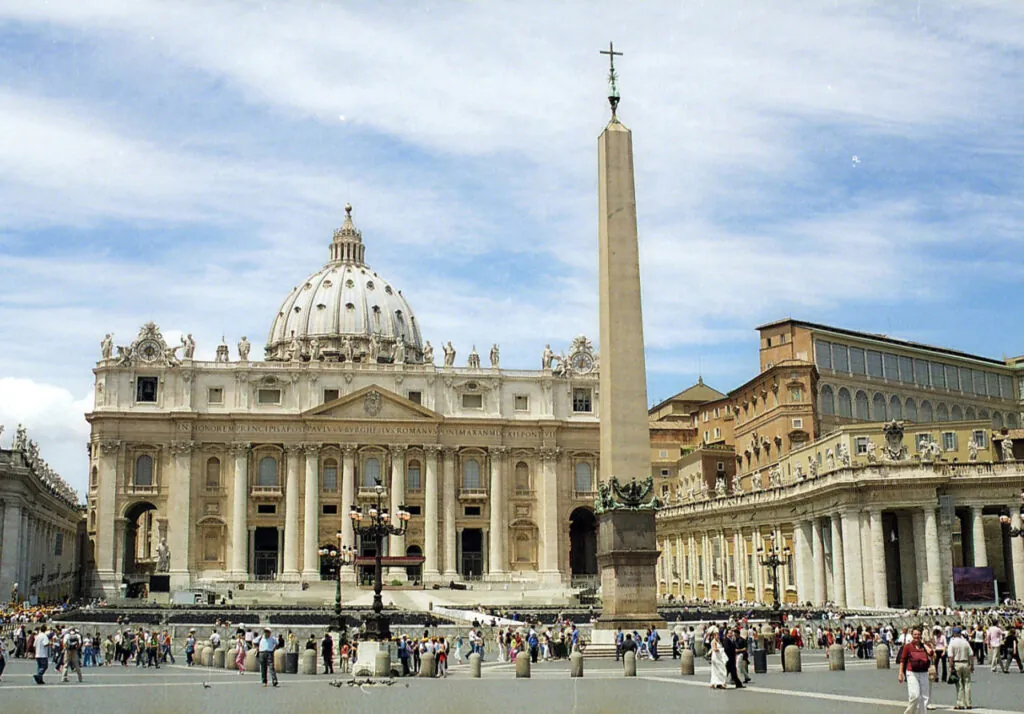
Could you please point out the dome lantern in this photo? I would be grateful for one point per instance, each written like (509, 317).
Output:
(347, 246)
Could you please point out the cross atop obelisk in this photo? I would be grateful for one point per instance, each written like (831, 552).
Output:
(613, 89)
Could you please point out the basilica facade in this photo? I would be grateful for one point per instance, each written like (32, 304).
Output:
(241, 470)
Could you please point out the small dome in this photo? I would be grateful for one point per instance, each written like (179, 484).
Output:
(343, 307)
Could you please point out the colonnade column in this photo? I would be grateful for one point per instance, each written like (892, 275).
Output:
(311, 515)
(397, 542)
(1017, 553)
(549, 500)
(867, 558)
(348, 494)
(430, 571)
(496, 501)
(803, 545)
(448, 498)
(738, 560)
(10, 542)
(853, 568)
(932, 589)
(290, 567)
(838, 566)
(179, 500)
(818, 561)
(881, 583)
(978, 538)
(240, 511)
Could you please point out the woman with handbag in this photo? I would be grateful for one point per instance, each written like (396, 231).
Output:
(915, 663)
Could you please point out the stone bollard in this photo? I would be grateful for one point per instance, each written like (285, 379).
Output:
(382, 663)
(881, 656)
(836, 658)
(279, 661)
(252, 661)
(427, 665)
(229, 659)
(474, 665)
(629, 664)
(206, 656)
(576, 664)
(307, 662)
(699, 649)
(686, 662)
(218, 658)
(523, 666)
(791, 659)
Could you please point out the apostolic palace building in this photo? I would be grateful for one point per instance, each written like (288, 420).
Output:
(240, 470)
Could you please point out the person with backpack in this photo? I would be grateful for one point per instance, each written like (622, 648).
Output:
(72, 654)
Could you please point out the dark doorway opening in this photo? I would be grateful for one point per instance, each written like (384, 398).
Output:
(414, 573)
(265, 547)
(583, 543)
(472, 552)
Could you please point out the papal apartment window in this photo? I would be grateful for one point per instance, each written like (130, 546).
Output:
(860, 445)
(145, 389)
(268, 396)
(331, 394)
(663, 453)
(416, 397)
(472, 401)
(798, 423)
(215, 395)
(522, 402)
(978, 437)
(266, 509)
(330, 509)
(718, 432)
(664, 472)
(581, 400)
(949, 441)
(472, 510)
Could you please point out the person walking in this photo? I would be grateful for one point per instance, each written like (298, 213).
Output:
(719, 673)
(961, 662)
(42, 648)
(266, 654)
(1013, 649)
(72, 654)
(327, 652)
(915, 659)
(730, 658)
(240, 650)
(994, 639)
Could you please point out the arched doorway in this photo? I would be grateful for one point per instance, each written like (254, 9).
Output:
(142, 533)
(414, 573)
(583, 543)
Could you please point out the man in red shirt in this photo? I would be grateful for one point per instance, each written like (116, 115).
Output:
(915, 659)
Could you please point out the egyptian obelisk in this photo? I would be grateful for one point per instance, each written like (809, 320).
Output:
(627, 549)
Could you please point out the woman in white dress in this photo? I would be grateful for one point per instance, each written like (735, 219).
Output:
(718, 673)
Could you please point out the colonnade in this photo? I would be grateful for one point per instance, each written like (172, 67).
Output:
(28, 550)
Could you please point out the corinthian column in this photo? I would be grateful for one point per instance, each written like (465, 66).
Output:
(311, 516)
(240, 512)
(549, 524)
(852, 565)
(291, 515)
(430, 524)
(818, 562)
(348, 490)
(933, 590)
(878, 560)
(497, 511)
(838, 567)
(978, 533)
(397, 542)
(179, 499)
(448, 497)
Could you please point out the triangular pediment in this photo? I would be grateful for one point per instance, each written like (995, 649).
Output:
(373, 402)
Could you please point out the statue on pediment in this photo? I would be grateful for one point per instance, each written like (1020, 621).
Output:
(428, 353)
(449, 355)
(243, 349)
(546, 357)
(495, 356)
(107, 347)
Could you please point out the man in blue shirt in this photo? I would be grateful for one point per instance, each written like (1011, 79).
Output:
(266, 653)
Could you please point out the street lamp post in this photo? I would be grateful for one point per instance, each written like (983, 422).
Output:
(772, 557)
(337, 557)
(378, 527)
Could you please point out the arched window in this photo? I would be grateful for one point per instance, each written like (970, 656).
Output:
(522, 477)
(211, 545)
(863, 409)
(957, 414)
(845, 407)
(584, 480)
(1011, 420)
(941, 413)
(413, 476)
(267, 474)
(828, 405)
(926, 411)
(523, 548)
(95, 478)
(144, 470)
(878, 407)
(970, 415)
(911, 409)
(471, 474)
(983, 414)
(212, 473)
(895, 408)
(371, 472)
(997, 420)
(329, 478)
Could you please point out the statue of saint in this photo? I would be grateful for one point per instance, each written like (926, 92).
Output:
(872, 452)
(428, 353)
(107, 347)
(399, 354)
(1006, 446)
(188, 346)
(972, 451)
(494, 355)
(243, 349)
(163, 557)
(295, 349)
(346, 349)
(374, 351)
(546, 357)
(474, 359)
(812, 467)
(449, 355)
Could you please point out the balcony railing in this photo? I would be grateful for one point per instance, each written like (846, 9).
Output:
(370, 492)
(266, 491)
(473, 493)
(136, 488)
(524, 493)
(585, 495)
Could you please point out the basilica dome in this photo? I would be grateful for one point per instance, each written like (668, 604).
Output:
(345, 312)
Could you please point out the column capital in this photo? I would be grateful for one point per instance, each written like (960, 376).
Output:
(292, 449)
(397, 450)
(239, 448)
(181, 448)
(498, 450)
(432, 449)
(349, 449)
(550, 453)
(110, 446)
(311, 449)
(450, 451)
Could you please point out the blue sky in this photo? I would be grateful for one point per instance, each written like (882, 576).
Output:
(859, 164)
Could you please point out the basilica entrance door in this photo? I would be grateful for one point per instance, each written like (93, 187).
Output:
(265, 553)
(472, 552)
(583, 545)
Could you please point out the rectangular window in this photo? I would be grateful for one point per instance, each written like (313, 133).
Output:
(472, 401)
(949, 441)
(707, 436)
(921, 373)
(522, 402)
(823, 354)
(966, 385)
(875, 364)
(581, 400)
(716, 412)
(331, 394)
(665, 472)
(952, 379)
(840, 358)
(906, 370)
(718, 433)
(938, 375)
(1005, 387)
(472, 510)
(145, 389)
(663, 453)
(979, 382)
(798, 423)
(796, 394)
(857, 365)
(978, 437)
(720, 467)
(992, 382)
(330, 478)
(266, 509)
(860, 445)
(891, 367)
(705, 417)
(414, 510)
(58, 544)
(268, 396)
(415, 397)
(215, 395)
(329, 509)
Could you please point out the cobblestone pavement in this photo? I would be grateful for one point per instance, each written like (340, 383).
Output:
(177, 689)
